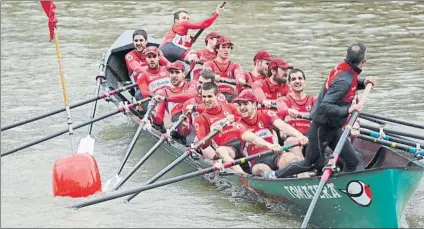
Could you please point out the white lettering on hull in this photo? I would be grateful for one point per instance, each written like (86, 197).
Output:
(308, 191)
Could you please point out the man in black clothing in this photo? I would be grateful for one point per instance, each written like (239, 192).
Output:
(330, 113)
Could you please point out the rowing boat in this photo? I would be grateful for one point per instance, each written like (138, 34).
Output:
(373, 198)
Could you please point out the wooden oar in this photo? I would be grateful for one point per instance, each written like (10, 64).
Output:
(187, 153)
(201, 30)
(328, 170)
(122, 109)
(163, 138)
(406, 148)
(172, 180)
(390, 131)
(101, 96)
(387, 137)
(86, 144)
(393, 120)
(145, 121)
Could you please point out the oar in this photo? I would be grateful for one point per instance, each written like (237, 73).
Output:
(122, 109)
(163, 138)
(201, 31)
(406, 148)
(398, 121)
(373, 120)
(390, 131)
(101, 96)
(191, 69)
(387, 137)
(172, 180)
(141, 127)
(328, 170)
(235, 83)
(86, 144)
(187, 153)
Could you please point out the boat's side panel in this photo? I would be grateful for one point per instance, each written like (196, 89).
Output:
(367, 199)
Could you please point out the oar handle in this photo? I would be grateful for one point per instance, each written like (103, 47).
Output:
(234, 83)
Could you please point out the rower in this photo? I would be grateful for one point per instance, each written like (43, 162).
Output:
(255, 128)
(154, 77)
(172, 98)
(211, 118)
(187, 126)
(177, 41)
(260, 68)
(297, 102)
(203, 55)
(225, 69)
(274, 86)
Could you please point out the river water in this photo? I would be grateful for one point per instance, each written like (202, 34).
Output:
(311, 35)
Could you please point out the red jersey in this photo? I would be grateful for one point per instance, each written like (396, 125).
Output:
(228, 70)
(261, 125)
(152, 80)
(176, 96)
(199, 109)
(204, 55)
(136, 62)
(265, 89)
(250, 78)
(176, 34)
(303, 106)
(216, 116)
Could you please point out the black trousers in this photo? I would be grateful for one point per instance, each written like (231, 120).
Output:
(315, 151)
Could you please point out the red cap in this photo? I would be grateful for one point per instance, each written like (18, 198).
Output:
(177, 65)
(212, 35)
(246, 95)
(262, 55)
(223, 40)
(152, 49)
(279, 62)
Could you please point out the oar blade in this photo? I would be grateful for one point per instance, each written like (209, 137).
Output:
(86, 145)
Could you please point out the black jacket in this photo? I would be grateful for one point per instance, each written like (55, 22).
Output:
(329, 109)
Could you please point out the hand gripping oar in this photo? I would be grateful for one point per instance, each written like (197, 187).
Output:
(86, 144)
(393, 120)
(328, 169)
(101, 96)
(122, 109)
(201, 31)
(172, 180)
(413, 150)
(183, 156)
(163, 138)
(145, 121)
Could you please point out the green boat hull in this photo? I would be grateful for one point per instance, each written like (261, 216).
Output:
(382, 207)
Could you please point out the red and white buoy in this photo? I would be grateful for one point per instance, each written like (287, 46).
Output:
(76, 175)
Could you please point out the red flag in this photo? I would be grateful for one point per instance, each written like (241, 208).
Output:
(50, 9)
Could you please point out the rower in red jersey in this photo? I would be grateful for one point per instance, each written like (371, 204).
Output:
(297, 102)
(260, 68)
(172, 98)
(274, 86)
(187, 126)
(136, 59)
(225, 69)
(213, 117)
(177, 41)
(203, 55)
(154, 77)
(255, 129)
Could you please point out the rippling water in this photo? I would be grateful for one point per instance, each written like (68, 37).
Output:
(310, 35)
